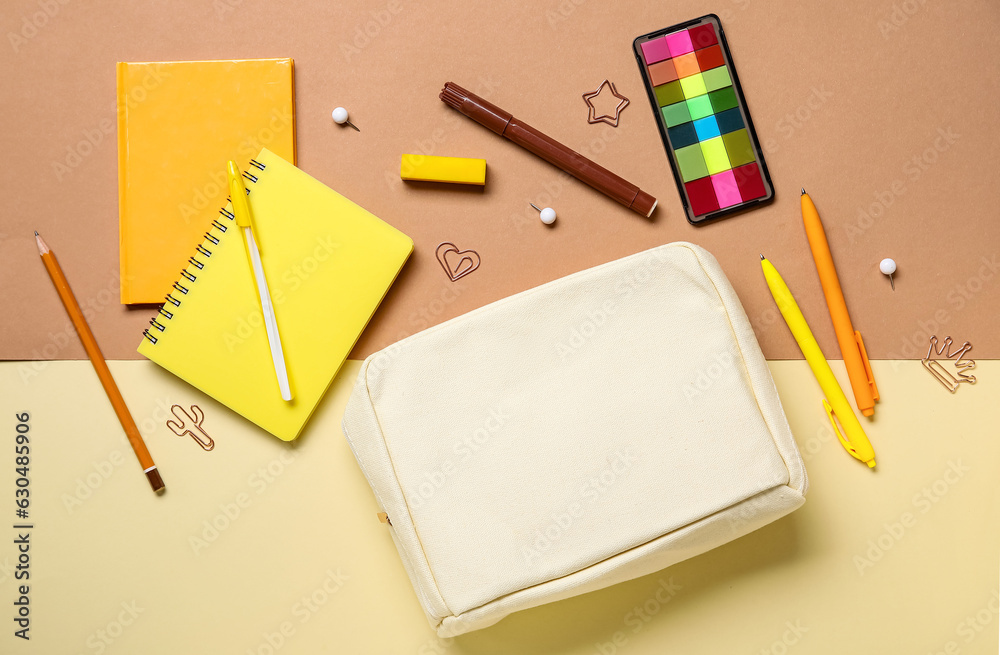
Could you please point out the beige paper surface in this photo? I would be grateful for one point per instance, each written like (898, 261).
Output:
(263, 547)
(885, 111)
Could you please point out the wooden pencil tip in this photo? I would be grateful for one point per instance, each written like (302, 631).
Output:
(43, 248)
(762, 258)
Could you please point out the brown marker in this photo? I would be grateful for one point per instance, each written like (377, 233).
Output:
(504, 124)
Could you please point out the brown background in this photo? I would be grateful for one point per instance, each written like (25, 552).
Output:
(844, 96)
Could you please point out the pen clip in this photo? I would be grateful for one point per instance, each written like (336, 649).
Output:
(238, 198)
(836, 430)
(868, 365)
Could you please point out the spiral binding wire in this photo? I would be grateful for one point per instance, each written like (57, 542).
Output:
(203, 250)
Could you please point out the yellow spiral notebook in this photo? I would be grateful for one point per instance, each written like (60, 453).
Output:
(328, 263)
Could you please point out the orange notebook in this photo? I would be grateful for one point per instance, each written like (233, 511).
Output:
(178, 125)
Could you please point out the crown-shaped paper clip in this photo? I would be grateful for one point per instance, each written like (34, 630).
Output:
(963, 363)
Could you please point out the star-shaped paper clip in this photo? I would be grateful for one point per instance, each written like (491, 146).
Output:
(593, 117)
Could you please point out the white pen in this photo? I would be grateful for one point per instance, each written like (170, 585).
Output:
(244, 219)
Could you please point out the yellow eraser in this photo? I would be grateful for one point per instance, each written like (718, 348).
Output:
(457, 170)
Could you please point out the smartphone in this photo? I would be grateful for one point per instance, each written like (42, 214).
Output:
(703, 119)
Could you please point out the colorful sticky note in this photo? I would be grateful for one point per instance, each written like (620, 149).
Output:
(662, 72)
(722, 99)
(677, 113)
(679, 43)
(738, 148)
(702, 36)
(717, 78)
(726, 190)
(691, 162)
(682, 135)
(709, 58)
(668, 94)
(749, 181)
(716, 159)
(699, 107)
(686, 65)
(693, 86)
(655, 50)
(706, 128)
(729, 120)
(701, 193)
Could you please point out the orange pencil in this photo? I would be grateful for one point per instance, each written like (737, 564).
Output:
(852, 348)
(97, 359)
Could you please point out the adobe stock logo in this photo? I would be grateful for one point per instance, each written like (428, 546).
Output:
(794, 630)
(30, 25)
(561, 522)
(434, 480)
(102, 639)
(900, 15)
(308, 606)
(595, 318)
(971, 626)
(367, 31)
(923, 502)
(706, 376)
(639, 617)
(913, 170)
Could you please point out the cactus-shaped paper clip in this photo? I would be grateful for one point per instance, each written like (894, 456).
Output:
(190, 424)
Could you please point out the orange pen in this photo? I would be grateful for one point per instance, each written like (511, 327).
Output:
(852, 348)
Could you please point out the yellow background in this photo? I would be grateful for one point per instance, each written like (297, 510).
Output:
(101, 544)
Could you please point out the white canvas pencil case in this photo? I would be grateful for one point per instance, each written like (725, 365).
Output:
(592, 430)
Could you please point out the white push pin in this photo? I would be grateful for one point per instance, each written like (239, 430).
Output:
(888, 267)
(340, 117)
(548, 215)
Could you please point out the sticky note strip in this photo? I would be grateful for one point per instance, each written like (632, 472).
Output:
(456, 170)
(716, 159)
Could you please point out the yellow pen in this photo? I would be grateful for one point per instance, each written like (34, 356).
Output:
(856, 442)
